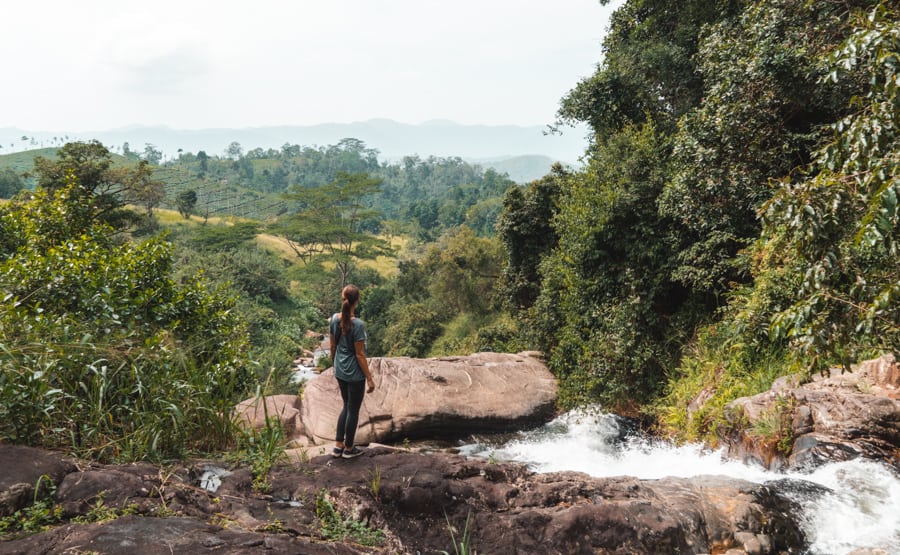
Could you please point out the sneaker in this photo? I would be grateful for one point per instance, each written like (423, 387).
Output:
(337, 452)
(352, 452)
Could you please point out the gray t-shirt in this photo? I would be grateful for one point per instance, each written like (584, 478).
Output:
(346, 366)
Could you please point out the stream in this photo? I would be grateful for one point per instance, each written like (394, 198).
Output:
(859, 509)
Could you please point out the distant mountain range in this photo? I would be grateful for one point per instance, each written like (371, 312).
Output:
(524, 152)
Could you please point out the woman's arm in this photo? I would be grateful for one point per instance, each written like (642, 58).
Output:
(364, 364)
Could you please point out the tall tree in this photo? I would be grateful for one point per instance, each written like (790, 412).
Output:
(152, 155)
(234, 150)
(186, 201)
(525, 228)
(462, 270)
(140, 186)
(89, 166)
(330, 222)
(203, 158)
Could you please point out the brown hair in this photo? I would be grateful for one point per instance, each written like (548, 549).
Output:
(349, 298)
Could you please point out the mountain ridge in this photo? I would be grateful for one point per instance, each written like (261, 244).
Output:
(392, 139)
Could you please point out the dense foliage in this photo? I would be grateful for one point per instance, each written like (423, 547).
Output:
(10, 183)
(103, 352)
(424, 197)
(840, 219)
(738, 201)
(443, 301)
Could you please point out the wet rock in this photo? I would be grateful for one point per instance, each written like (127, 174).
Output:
(438, 397)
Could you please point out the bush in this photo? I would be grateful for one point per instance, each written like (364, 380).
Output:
(103, 353)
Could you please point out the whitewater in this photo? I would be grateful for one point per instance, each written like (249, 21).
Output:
(859, 509)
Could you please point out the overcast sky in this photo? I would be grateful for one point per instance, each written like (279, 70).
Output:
(99, 64)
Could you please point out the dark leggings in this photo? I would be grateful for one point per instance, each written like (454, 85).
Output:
(352, 393)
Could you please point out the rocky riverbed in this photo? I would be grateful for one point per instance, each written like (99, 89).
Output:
(415, 500)
(394, 500)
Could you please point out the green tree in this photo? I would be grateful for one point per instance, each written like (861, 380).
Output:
(186, 201)
(525, 228)
(841, 223)
(152, 155)
(608, 314)
(329, 223)
(463, 270)
(203, 158)
(759, 119)
(107, 188)
(140, 187)
(234, 150)
(10, 183)
(648, 68)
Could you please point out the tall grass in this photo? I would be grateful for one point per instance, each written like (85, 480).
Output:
(128, 405)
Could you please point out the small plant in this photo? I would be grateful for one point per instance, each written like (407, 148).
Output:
(864, 386)
(775, 425)
(375, 482)
(101, 512)
(163, 510)
(273, 523)
(222, 521)
(324, 362)
(463, 546)
(39, 516)
(262, 449)
(337, 528)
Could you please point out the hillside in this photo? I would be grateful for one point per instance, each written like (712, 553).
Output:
(21, 162)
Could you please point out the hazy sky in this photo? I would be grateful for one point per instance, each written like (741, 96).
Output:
(99, 64)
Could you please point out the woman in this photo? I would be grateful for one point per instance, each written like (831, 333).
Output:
(348, 353)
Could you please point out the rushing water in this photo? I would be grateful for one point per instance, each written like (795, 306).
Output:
(860, 508)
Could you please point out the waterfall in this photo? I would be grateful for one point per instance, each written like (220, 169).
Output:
(859, 505)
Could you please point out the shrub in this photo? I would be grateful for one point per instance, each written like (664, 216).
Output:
(103, 353)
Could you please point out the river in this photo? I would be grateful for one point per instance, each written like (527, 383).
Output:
(861, 508)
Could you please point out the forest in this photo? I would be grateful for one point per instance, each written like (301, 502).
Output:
(735, 220)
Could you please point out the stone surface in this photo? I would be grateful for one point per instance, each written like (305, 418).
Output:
(25, 469)
(137, 535)
(413, 498)
(438, 397)
(284, 408)
(837, 417)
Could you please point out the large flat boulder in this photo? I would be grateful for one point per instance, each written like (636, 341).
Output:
(437, 397)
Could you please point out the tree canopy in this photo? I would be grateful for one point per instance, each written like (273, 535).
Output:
(331, 221)
(738, 185)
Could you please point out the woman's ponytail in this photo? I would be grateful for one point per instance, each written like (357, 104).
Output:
(349, 298)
